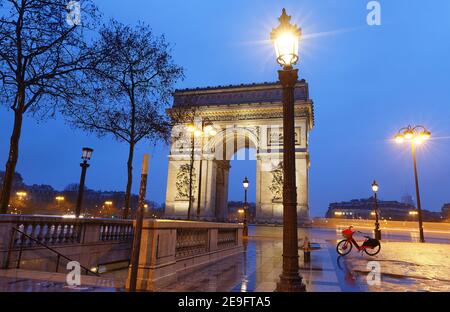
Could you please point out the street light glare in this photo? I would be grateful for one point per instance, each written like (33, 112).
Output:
(409, 135)
(375, 187)
(399, 139)
(191, 128)
(416, 135)
(286, 41)
(198, 133)
(286, 45)
(418, 140)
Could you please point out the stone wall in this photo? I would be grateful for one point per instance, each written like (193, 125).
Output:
(170, 247)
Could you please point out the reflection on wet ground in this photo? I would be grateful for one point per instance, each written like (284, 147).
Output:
(256, 269)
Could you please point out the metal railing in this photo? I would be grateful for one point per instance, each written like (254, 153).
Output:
(23, 237)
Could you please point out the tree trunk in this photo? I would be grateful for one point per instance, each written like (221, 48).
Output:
(129, 181)
(11, 163)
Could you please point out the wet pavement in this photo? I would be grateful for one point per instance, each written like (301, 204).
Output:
(259, 267)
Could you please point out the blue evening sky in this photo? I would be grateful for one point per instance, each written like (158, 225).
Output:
(366, 83)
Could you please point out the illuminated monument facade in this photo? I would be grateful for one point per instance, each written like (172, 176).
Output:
(242, 116)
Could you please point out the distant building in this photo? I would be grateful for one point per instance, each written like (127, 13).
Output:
(41, 199)
(408, 199)
(446, 212)
(388, 210)
(235, 216)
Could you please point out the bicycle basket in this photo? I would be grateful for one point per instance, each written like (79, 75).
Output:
(347, 233)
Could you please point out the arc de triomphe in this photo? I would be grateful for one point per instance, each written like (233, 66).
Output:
(242, 116)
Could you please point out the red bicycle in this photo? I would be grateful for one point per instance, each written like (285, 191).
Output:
(371, 246)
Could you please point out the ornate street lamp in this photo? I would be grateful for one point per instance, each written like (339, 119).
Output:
(416, 135)
(245, 184)
(85, 156)
(286, 41)
(377, 231)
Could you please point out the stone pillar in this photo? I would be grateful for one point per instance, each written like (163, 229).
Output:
(221, 202)
(301, 163)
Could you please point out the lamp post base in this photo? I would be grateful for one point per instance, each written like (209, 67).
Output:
(377, 234)
(290, 284)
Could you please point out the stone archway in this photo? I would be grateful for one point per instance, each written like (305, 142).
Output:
(243, 116)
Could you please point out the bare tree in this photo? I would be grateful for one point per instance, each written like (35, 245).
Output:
(128, 91)
(42, 47)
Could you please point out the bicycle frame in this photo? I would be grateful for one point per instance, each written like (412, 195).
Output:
(351, 240)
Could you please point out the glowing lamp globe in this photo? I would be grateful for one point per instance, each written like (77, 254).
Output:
(286, 39)
(375, 186)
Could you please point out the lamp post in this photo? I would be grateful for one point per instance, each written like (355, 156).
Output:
(286, 40)
(85, 156)
(245, 184)
(377, 231)
(416, 135)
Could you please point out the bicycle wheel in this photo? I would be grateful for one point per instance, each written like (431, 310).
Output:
(344, 247)
(373, 251)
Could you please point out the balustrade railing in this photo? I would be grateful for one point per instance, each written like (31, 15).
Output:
(49, 233)
(116, 232)
(226, 238)
(191, 242)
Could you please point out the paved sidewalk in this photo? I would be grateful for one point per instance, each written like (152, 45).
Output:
(407, 266)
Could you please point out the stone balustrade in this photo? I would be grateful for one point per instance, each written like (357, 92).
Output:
(89, 241)
(171, 247)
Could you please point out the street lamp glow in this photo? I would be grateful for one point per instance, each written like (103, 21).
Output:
(245, 183)
(416, 135)
(59, 198)
(413, 213)
(408, 134)
(285, 39)
(375, 186)
(399, 139)
(191, 128)
(21, 194)
(198, 133)
(108, 203)
(418, 140)
(86, 153)
(426, 135)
